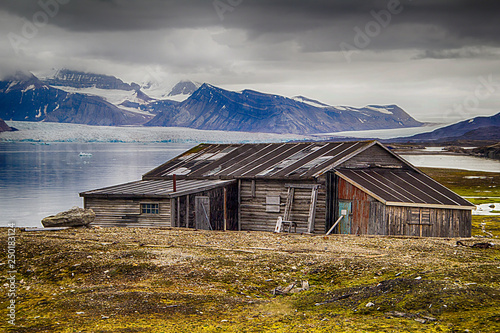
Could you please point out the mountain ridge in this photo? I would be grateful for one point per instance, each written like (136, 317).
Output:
(465, 129)
(97, 99)
(214, 108)
(24, 97)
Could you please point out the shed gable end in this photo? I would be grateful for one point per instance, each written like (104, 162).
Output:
(375, 156)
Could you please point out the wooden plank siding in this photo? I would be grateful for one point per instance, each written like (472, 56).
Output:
(377, 224)
(372, 217)
(253, 213)
(442, 222)
(371, 157)
(361, 207)
(216, 197)
(127, 212)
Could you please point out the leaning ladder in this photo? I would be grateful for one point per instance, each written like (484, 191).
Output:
(288, 209)
(312, 210)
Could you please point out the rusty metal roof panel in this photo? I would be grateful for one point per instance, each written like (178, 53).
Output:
(272, 160)
(155, 188)
(402, 186)
(296, 161)
(329, 160)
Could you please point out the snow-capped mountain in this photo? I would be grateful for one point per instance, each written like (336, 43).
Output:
(112, 89)
(149, 98)
(96, 99)
(76, 79)
(164, 90)
(214, 108)
(183, 90)
(24, 97)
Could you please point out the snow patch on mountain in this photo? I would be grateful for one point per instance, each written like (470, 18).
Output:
(178, 98)
(113, 96)
(178, 92)
(311, 102)
(379, 109)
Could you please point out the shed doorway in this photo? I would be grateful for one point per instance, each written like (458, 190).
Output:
(345, 210)
(202, 209)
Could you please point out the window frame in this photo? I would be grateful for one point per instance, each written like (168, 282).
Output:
(149, 208)
(420, 216)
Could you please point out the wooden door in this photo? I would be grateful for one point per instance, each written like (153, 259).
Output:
(345, 208)
(202, 209)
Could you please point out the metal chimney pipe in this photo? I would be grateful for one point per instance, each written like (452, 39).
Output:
(174, 180)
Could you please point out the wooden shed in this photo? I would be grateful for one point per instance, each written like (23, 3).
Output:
(362, 185)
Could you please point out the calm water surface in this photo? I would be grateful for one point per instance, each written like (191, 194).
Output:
(454, 162)
(40, 180)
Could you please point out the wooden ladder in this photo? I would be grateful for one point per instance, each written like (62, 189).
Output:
(288, 209)
(312, 210)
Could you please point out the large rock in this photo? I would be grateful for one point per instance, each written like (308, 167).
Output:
(75, 217)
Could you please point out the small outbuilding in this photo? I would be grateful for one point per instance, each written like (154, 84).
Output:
(356, 187)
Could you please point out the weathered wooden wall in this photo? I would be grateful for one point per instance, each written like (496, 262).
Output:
(127, 212)
(372, 217)
(216, 197)
(361, 203)
(373, 156)
(253, 205)
(442, 222)
(377, 224)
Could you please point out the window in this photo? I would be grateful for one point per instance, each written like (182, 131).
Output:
(273, 203)
(147, 208)
(420, 216)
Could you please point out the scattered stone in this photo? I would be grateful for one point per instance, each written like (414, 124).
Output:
(291, 288)
(397, 314)
(420, 320)
(75, 217)
(288, 288)
(369, 304)
(305, 285)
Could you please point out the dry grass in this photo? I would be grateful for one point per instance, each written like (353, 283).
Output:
(152, 280)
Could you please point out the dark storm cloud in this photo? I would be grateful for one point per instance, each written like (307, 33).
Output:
(316, 25)
(426, 55)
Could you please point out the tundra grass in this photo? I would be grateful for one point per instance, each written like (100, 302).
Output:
(479, 187)
(160, 280)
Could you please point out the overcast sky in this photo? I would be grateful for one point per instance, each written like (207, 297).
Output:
(438, 60)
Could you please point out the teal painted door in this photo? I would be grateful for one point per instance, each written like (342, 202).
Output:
(345, 223)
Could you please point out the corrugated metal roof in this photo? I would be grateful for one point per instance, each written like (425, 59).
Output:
(274, 160)
(155, 188)
(403, 188)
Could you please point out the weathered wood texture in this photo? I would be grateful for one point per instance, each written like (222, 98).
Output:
(441, 222)
(127, 212)
(377, 224)
(360, 206)
(253, 209)
(372, 217)
(373, 156)
(216, 198)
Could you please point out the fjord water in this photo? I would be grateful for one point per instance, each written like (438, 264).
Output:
(453, 162)
(37, 180)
